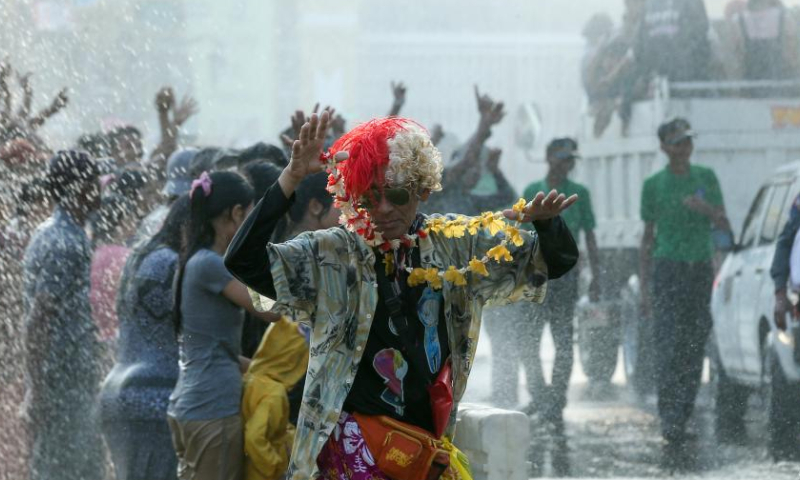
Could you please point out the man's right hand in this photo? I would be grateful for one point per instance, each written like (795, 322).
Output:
(782, 308)
(306, 151)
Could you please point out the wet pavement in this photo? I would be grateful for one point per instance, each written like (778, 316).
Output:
(617, 435)
(620, 438)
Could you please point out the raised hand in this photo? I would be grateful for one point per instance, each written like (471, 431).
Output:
(437, 133)
(491, 112)
(5, 68)
(297, 121)
(61, 101)
(399, 92)
(338, 125)
(56, 105)
(5, 93)
(542, 207)
(165, 99)
(485, 102)
(187, 109)
(25, 83)
(306, 150)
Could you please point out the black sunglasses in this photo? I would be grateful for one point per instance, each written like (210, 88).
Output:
(396, 196)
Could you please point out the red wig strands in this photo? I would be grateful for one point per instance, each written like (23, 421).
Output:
(368, 147)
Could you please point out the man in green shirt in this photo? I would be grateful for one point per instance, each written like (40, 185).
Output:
(680, 206)
(521, 330)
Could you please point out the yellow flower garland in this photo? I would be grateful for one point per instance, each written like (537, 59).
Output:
(494, 222)
(357, 219)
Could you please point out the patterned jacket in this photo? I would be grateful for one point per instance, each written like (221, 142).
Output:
(327, 278)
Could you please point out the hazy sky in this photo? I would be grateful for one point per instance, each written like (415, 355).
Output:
(571, 14)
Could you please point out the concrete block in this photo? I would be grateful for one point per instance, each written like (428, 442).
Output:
(495, 441)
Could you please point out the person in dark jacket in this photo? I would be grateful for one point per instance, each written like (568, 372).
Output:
(780, 264)
(63, 350)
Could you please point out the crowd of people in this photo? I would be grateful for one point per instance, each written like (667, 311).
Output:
(135, 346)
(312, 308)
(756, 40)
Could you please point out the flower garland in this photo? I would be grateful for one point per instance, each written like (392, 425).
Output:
(356, 219)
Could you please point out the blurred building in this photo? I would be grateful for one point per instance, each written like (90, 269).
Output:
(440, 51)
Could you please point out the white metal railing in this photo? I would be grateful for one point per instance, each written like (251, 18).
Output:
(735, 86)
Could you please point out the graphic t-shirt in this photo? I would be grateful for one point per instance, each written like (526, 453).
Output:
(682, 235)
(210, 383)
(387, 383)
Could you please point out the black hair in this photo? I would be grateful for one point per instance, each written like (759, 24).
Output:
(203, 161)
(114, 209)
(129, 182)
(261, 176)
(124, 131)
(313, 187)
(34, 191)
(68, 171)
(561, 144)
(94, 143)
(671, 126)
(228, 189)
(264, 151)
(170, 236)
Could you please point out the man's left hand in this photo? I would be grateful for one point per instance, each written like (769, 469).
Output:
(542, 207)
(697, 204)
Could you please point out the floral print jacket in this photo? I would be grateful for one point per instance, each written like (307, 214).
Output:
(327, 278)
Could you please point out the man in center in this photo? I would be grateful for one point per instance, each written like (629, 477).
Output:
(394, 298)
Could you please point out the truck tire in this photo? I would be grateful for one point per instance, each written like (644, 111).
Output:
(784, 415)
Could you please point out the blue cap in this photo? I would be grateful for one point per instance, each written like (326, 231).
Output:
(179, 178)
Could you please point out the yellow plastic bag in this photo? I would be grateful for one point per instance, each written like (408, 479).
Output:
(459, 463)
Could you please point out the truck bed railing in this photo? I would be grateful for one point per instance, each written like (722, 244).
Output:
(734, 88)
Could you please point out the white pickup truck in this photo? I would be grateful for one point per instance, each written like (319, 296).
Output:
(752, 354)
(744, 139)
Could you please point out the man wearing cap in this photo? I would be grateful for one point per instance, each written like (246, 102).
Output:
(680, 205)
(179, 180)
(62, 349)
(562, 295)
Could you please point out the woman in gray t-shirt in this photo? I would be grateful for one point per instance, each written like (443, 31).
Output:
(203, 411)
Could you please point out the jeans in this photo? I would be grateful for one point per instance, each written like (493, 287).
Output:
(681, 298)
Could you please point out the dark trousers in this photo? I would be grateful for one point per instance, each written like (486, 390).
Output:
(515, 332)
(141, 450)
(681, 298)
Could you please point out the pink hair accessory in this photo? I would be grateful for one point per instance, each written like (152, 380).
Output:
(204, 182)
(106, 179)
